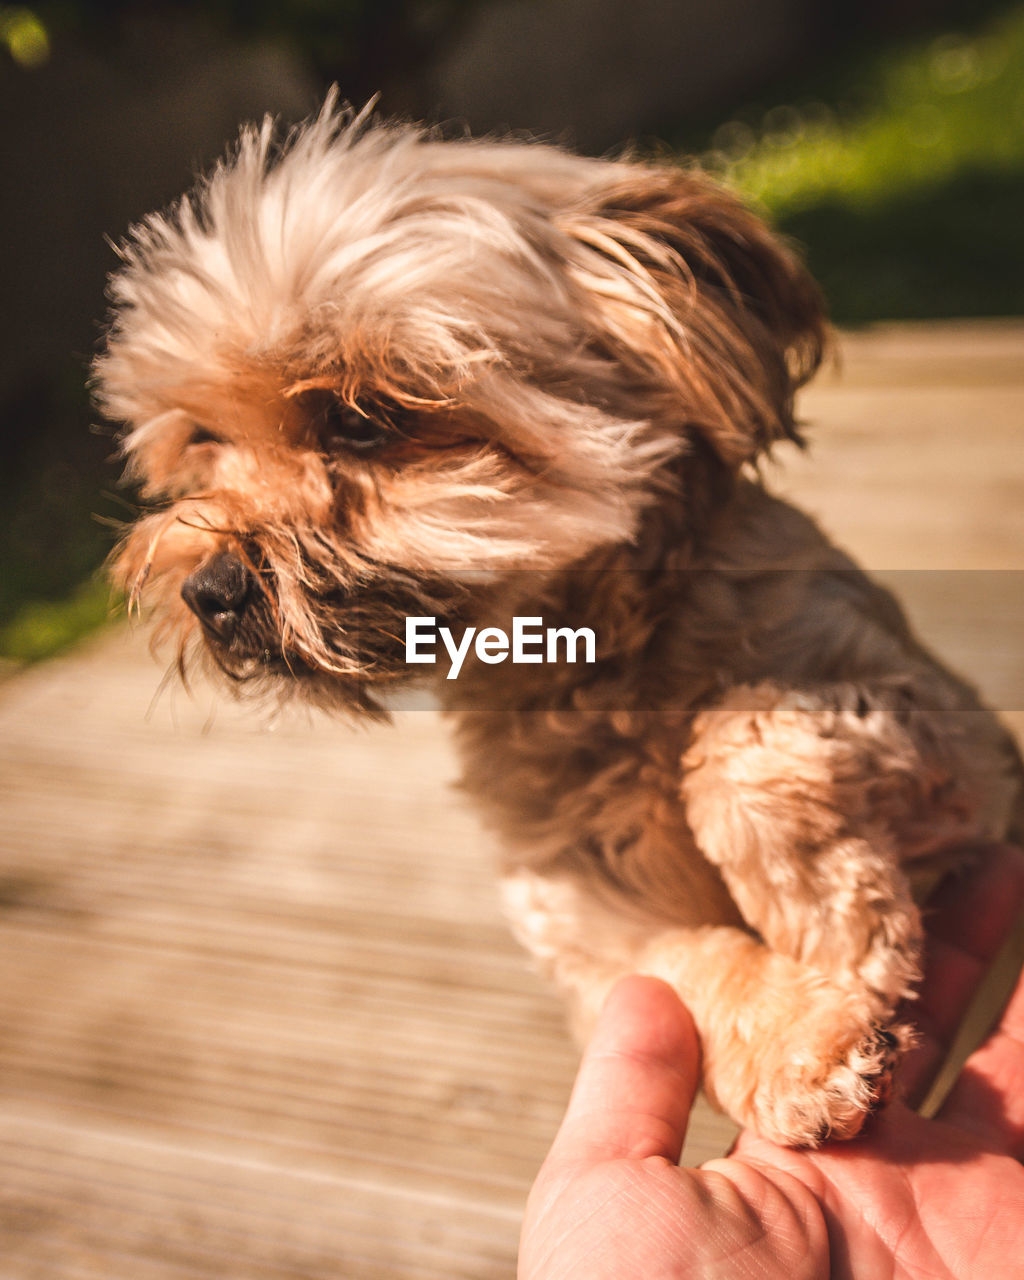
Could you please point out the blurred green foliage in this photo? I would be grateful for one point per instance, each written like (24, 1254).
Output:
(42, 628)
(24, 36)
(904, 184)
(956, 103)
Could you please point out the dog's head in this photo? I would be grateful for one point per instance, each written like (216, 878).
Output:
(367, 371)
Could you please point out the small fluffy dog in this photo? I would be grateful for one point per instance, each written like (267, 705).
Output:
(369, 375)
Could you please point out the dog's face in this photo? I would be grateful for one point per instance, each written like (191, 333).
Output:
(376, 373)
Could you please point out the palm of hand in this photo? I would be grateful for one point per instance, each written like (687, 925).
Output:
(911, 1198)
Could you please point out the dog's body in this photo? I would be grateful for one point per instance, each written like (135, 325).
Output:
(385, 376)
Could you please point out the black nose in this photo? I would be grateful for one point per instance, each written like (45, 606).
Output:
(217, 593)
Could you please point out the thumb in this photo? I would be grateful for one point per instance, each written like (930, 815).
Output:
(637, 1080)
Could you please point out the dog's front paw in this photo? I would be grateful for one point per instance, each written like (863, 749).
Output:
(826, 1088)
(788, 1051)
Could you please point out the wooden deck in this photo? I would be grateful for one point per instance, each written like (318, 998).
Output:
(260, 1016)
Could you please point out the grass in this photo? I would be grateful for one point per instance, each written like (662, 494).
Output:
(909, 202)
(42, 628)
(955, 104)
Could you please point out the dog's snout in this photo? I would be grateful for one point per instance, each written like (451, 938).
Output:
(217, 593)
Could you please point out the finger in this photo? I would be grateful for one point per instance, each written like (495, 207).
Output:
(966, 922)
(637, 1081)
(975, 909)
(988, 1098)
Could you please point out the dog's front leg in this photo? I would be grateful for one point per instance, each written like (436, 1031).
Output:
(814, 806)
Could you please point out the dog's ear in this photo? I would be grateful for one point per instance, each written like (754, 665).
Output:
(694, 294)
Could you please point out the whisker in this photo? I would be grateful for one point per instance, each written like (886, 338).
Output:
(166, 681)
(202, 526)
(135, 595)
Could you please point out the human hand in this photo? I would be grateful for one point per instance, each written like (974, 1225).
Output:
(909, 1198)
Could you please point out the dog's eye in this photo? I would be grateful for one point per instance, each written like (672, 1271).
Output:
(203, 435)
(359, 429)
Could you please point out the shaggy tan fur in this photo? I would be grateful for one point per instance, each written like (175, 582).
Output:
(372, 375)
